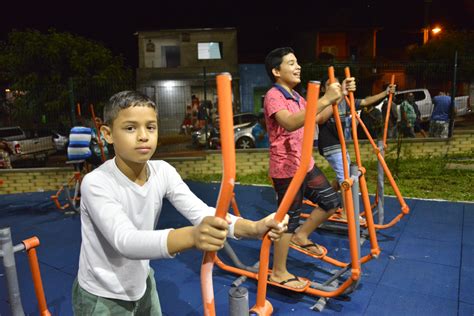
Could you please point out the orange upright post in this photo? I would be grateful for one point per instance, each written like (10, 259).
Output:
(30, 245)
(375, 250)
(346, 188)
(226, 124)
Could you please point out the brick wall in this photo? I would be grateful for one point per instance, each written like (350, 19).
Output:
(247, 161)
(34, 179)
(250, 161)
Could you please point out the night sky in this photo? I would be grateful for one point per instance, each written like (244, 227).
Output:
(261, 25)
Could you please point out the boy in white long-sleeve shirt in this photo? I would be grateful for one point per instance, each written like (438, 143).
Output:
(120, 206)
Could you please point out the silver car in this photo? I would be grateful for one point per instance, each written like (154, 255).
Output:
(243, 124)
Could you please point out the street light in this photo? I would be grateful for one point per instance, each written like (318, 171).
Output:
(436, 30)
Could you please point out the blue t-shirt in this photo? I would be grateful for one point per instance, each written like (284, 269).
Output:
(442, 106)
(257, 131)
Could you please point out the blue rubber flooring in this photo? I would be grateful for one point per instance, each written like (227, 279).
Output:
(426, 266)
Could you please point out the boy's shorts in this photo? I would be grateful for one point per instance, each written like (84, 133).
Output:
(315, 188)
(86, 304)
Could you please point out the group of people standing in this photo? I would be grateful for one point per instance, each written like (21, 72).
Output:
(197, 115)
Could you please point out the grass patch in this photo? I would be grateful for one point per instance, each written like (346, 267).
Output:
(417, 178)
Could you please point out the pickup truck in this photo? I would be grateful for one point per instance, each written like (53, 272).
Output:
(23, 148)
(425, 103)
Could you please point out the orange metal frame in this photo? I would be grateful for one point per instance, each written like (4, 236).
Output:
(362, 181)
(262, 306)
(30, 245)
(76, 177)
(226, 124)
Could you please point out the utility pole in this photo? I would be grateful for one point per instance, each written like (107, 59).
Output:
(452, 112)
(426, 24)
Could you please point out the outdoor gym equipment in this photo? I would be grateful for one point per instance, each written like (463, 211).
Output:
(326, 289)
(7, 251)
(224, 94)
(382, 170)
(71, 188)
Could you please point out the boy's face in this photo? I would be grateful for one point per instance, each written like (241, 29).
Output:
(289, 72)
(134, 135)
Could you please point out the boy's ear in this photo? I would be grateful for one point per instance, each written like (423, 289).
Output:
(106, 131)
(276, 73)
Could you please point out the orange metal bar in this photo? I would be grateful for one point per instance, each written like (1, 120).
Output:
(30, 245)
(311, 291)
(375, 250)
(346, 189)
(235, 207)
(404, 207)
(226, 124)
(78, 109)
(97, 128)
(262, 306)
(340, 132)
(75, 177)
(387, 115)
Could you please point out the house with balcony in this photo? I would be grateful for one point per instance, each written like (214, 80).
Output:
(174, 65)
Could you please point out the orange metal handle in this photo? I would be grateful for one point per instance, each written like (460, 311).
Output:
(30, 245)
(226, 124)
(262, 306)
(340, 132)
(387, 115)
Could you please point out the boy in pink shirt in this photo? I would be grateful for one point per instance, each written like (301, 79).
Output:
(284, 114)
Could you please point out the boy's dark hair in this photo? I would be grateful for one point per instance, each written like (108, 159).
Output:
(123, 100)
(275, 58)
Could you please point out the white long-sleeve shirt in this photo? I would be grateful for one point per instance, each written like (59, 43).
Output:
(118, 218)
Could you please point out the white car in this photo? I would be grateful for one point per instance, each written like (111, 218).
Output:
(425, 102)
(60, 141)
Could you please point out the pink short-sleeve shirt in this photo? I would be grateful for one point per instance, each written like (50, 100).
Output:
(285, 146)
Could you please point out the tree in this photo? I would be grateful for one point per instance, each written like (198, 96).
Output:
(438, 53)
(52, 67)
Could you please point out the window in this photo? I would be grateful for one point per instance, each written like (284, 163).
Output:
(210, 50)
(419, 95)
(170, 56)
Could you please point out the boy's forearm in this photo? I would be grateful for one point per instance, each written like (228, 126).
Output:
(373, 98)
(180, 239)
(322, 104)
(245, 228)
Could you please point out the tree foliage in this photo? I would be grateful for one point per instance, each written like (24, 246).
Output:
(49, 66)
(439, 53)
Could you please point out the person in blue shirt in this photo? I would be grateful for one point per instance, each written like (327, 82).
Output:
(259, 132)
(439, 122)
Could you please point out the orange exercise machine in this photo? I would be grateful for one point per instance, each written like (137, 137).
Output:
(7, 251)
(262, 306)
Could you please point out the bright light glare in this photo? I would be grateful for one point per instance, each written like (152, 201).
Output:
(436, 30)
(168, 84)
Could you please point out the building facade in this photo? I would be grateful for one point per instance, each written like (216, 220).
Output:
(174, 65)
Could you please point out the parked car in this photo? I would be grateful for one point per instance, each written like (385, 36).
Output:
(60, 141)
(241, 120)
(23, 148)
